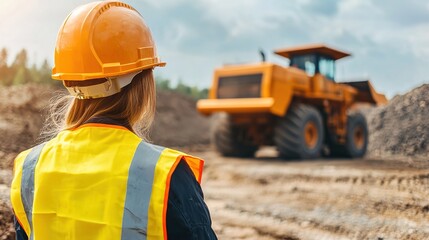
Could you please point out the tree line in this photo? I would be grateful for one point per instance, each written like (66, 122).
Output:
(192, 91)
(19, 72)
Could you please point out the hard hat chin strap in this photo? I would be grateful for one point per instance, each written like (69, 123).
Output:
(112, 86)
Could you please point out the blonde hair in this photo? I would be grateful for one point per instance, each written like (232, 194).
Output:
(134, 106)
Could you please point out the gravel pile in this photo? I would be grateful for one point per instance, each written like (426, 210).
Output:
(401, 127)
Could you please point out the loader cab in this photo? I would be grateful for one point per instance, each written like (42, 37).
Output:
(314, 59)
(315, 63)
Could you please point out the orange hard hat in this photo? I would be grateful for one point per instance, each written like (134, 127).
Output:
(102, 40)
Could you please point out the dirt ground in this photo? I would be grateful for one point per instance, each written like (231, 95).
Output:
(267, 198)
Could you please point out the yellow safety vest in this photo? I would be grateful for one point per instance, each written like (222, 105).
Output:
(95, 182)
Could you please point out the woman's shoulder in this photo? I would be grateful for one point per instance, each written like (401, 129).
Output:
(161, 150)
(169, 158)
(20, 158)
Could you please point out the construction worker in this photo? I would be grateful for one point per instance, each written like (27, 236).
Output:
(97, 178)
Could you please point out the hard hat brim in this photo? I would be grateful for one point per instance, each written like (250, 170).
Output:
(104, 74)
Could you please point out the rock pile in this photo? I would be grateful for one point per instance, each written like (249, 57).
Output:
(402, 126)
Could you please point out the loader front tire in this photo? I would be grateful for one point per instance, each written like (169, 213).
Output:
(300, 134)
(229, 140)
(356, 138)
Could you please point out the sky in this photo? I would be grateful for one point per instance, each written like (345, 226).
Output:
(389, 40)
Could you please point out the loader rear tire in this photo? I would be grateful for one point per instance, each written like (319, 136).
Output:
(227, 139)
(356, 138)
(300, 134)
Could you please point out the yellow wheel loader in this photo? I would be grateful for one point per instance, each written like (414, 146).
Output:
(300, 109)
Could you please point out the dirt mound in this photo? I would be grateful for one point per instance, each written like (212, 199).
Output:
(177, 122)
(402, 126)
(22, 115)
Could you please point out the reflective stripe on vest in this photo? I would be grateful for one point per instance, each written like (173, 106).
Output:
(140, 178)
(43, 184)
(27, 182)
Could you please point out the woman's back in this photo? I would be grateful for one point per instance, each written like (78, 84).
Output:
(98, 181)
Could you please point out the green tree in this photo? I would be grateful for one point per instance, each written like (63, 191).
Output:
(193, 91)
(45, 72)
(183, 88)
(5, 78)
(34, 72)
(20, 76)
(21, 59)
(204, 93)
(162, 83)
(19, 69)
(19, 72)
(3, 57)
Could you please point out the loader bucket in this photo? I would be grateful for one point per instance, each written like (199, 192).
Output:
(367, 93)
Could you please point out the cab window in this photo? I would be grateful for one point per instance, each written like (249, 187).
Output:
(327, 67)
(306, 63)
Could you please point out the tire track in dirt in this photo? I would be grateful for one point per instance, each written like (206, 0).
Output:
(360, 199)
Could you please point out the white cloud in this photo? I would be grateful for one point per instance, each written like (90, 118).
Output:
(243, 17)
(177, 33)
(417, 39)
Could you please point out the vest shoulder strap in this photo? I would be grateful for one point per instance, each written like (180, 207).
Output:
(140, 182)
(150, 171)
(27, 188)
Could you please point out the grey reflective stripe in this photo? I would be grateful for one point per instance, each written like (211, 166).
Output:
(27, 183)
(139, 188)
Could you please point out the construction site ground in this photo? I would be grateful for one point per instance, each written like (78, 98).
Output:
(268, 198)
(383, 196)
